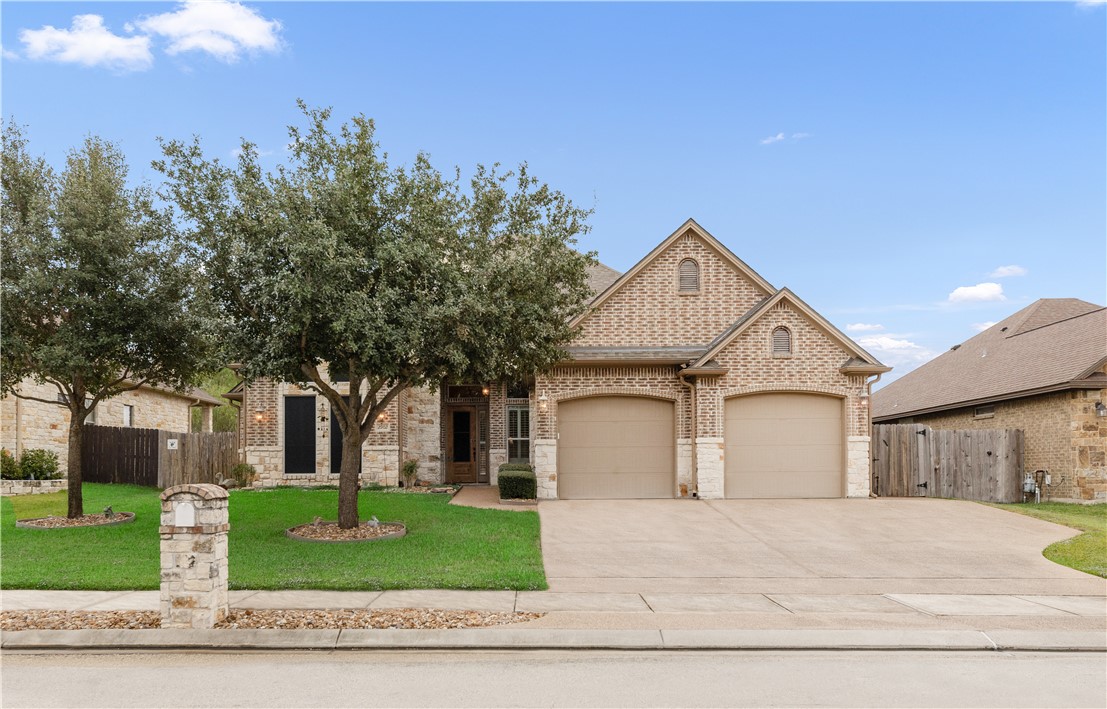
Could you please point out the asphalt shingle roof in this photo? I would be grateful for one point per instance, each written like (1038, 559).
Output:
(1047, 344)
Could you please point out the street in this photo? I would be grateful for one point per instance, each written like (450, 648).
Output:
(556, 678)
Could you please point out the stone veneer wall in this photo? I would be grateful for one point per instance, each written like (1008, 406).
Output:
(31, 487)
(1061, 432)
(46, 426)
(423, 417)
(264, 438)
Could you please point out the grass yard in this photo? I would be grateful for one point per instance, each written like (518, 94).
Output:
(1087, 552)
(446, 546)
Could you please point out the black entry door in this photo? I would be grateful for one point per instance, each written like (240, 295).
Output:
(336, 447)
(299, 435)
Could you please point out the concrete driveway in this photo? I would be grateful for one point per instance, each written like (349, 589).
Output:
(871, 546)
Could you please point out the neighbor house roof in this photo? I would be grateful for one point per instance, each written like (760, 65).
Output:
(197, 396)
(600, 277)
(1051, 345)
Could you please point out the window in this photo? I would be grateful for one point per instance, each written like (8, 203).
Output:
(518, 390)
(689, 278)
(91, 418)
(299, 435)
(128, 415)
(782, 342)
(984, 412)
(518, 434)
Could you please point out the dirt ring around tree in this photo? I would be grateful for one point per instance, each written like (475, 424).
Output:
(97, 520)
(330, 532)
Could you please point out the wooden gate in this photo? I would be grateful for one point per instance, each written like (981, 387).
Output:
(912, 460)
(144, 456)
(111, 454)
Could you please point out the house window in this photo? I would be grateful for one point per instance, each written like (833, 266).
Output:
(782, 342)
(689, 276)
(91, 418)
(984, 412)
(128, 415)
(518, 434)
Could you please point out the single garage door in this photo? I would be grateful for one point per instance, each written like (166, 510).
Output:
(612, 447)
(784, 445)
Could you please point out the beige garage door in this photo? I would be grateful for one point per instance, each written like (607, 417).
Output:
(784, 445)
(615, 447)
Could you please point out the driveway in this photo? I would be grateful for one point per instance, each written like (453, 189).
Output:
(871, 546)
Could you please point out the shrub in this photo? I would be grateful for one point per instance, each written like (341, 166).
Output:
(518, 484)
(244, 474)
(9, 466)
(39, 464)
(410, 470)
(516, 466)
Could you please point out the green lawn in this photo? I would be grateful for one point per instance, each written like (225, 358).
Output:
(1087, 552)
(446, 546)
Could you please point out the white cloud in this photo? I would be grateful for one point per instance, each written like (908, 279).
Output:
(1090, 3)
(1008, 271)
(221, 28)
(772, 139)
(896, 351)
(800, 136)
(9, 54)
(89, 43)
(981, 292)
(863, 327)
(982, 326)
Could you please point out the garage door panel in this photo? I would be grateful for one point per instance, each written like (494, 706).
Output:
(783, 445)
(616, 447)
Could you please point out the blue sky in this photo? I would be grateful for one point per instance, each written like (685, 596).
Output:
(874, 157)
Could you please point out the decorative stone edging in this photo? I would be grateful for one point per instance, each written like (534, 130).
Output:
(32, 487)
(391, 535)
(128, 517)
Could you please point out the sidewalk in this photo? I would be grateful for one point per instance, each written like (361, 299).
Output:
(618, 621)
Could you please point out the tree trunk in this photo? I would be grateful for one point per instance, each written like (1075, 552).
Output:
(348, 483)
(76, 437)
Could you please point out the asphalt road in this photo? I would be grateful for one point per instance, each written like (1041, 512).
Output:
(545, 679)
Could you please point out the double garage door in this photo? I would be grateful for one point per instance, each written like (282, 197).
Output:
(623, 447)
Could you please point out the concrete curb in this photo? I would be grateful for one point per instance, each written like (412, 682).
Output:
(551, 639)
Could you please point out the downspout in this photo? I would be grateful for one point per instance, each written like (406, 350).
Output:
(694, 490)
(869, 414)
(18, 426)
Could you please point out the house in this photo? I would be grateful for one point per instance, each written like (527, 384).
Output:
(691, 376)
(1042, 370)
(25, 423)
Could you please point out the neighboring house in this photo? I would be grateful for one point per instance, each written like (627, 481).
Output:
(28, 424)
(691, 376)
(1042, 370)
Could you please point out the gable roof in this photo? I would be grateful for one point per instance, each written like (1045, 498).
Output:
(688, 226)
(600, 277)
(1050, 345)
(860, 361)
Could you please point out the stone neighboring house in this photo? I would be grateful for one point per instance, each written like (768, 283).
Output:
(28, 424)
(1042, 370)
(691, 376)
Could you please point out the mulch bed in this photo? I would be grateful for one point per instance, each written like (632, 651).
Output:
(331, 532)
(97, 520)
(398, 618)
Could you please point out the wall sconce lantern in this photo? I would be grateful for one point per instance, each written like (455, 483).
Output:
(1100, 409)
(865, 399)
(543, 402)
(259, 415)
(484, 390)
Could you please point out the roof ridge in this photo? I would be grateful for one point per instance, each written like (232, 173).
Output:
(1055, 322)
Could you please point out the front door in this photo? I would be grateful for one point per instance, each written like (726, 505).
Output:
(461, 445)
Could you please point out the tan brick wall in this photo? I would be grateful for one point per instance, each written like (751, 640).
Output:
(46, 426)
(1061, 432)
(648, 311)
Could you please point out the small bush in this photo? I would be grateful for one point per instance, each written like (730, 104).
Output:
(518, 484)
(39, 464)
(517, 466)
(410, 471)
(9, 466)
(244, 474)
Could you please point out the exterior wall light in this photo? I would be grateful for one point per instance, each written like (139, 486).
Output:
(259, 415)
(865, 399)
(484, 390)
(543, 402)
(1100, 409)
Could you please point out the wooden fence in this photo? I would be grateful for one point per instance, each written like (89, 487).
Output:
(148, 456)
(912, 460)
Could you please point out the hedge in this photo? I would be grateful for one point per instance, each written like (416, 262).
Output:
(518, 485)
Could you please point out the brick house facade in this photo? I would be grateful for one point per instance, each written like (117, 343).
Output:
(691, 343)
(26, 424)
(1042, 370)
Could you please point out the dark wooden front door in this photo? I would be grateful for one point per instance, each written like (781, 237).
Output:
(461, 445)
(299, 435)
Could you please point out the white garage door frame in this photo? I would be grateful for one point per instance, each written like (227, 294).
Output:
(841, 438)
(671, 405)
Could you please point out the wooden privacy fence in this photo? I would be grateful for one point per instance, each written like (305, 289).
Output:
(912, 460)
(148, 456)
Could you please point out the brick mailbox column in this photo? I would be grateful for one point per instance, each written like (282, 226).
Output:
(193, 556)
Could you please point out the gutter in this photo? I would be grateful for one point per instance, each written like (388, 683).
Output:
(694, 488)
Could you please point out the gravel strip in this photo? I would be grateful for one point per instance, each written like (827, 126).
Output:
(402, 618)
(82, 521)
(330, 531)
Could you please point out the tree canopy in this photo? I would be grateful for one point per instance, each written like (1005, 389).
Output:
(395, 276)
